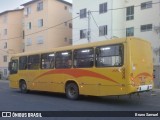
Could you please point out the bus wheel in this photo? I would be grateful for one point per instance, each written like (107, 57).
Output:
(23, 87)
(72, 91)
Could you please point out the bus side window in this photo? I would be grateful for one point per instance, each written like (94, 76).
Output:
(34, 62)
(47, 60)
(84, 58)
(64, 60)
(13, 66)
(109, 56)
(23, 63)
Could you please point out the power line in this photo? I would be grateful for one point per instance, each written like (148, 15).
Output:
(127, 7)
(94, 21)
(12, 38)
(37, 32)
(43, 29)
(70, 20)
(52, 26)
(96, 24)
(3, 50)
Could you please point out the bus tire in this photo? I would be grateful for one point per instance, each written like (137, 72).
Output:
(23, 86)
(72, 91)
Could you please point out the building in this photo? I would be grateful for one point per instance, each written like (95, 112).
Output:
(144, 21)
(41, 25)
(46, 24)
(99, 19)
(10, 38)
(107, 19)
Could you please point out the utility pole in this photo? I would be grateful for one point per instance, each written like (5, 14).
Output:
(89, 27)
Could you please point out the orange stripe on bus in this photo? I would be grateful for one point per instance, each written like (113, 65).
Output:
(143, 74)
(77, 73)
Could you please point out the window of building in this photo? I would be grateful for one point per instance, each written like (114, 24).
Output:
(65, 23)
(5, 31)
(47, 60)
(147, 27)
(84, 58)
(5, 72)
(23, 63)
(103, 30)
(109, 56)
(70, 25)
(70, 41)
(39, 6)
(28, 42)
(23, 34)
(33, 62)
(40, 23)
(130, 13)
(29, 26)
(130, 31)
(4, 18)
(40, 40)
(103, 8)
(65, 7)
(83, 34)
(83, 13)
(5, 58)
(5, 45)
(27, 11)
(65, 39)
(64, 60)
(146, 5)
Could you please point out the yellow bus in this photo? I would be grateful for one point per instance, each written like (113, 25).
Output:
(121, 66)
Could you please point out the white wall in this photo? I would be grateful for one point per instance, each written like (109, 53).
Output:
(143, 17)
(116, 21)
(101, 19)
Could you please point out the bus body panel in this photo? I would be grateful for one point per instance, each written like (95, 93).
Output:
(140, 65)
(131, 77)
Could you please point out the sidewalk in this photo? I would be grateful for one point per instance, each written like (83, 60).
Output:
(4, 81)
(156, 90)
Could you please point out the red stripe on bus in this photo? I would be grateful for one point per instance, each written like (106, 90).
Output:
(77, 73)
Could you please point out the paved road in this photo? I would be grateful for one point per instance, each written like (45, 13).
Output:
(14, 100)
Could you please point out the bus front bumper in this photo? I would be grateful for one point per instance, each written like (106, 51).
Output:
(144, 88)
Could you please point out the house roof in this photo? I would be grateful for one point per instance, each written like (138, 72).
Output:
(33, 1)
(65, 2)
(30, 2)
(7, 11)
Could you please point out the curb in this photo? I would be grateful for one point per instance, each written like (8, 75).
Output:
(4, 81)
(156, 90)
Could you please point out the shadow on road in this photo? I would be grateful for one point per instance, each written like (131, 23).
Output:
(112, 100)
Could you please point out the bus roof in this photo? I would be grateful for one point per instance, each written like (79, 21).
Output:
(88, 45)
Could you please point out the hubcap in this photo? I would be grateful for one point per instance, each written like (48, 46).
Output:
(72, 91)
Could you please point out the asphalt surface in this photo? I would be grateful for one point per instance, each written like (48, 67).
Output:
(14, 100)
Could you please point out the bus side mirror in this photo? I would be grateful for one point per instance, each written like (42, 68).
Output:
(10, 66)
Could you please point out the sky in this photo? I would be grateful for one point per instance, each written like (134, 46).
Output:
(13, 4)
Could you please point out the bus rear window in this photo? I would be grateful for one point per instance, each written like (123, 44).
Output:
(109, 56)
